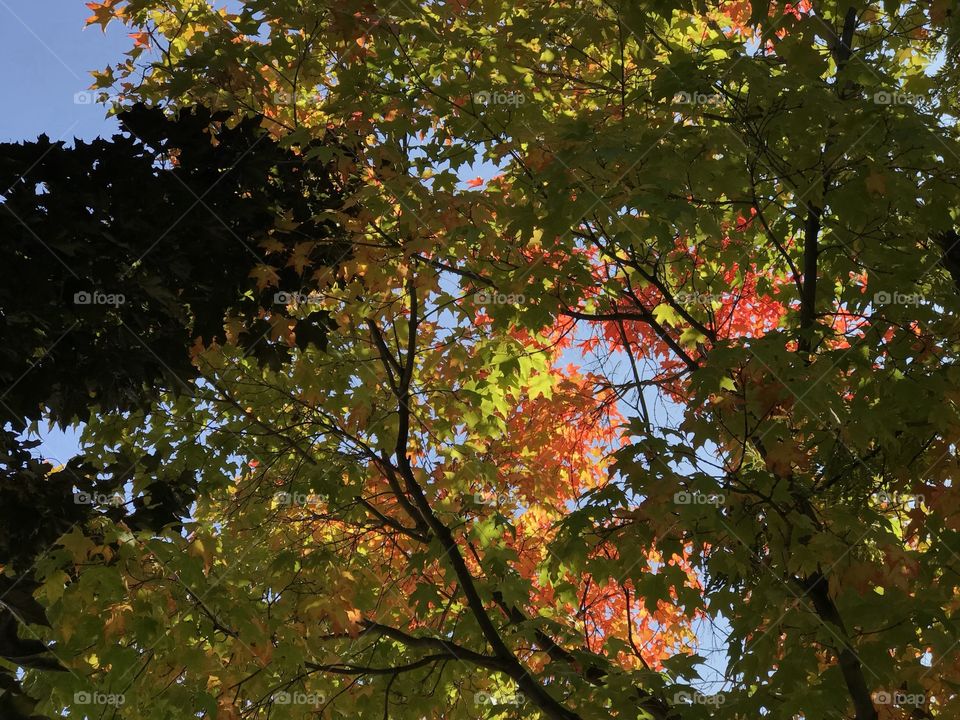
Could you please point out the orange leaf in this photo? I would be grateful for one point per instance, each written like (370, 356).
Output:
(141, 39)
(103, 13)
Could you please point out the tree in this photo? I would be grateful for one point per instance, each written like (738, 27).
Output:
(742, 215)
(101, 304)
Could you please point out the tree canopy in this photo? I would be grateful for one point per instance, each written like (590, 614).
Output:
(634, 393)
(102, 301)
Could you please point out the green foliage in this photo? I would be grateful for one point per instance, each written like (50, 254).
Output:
(739, 218)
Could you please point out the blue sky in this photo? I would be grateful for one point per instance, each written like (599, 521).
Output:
(47, 57)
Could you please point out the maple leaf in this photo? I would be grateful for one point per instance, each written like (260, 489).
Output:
(476, 182)
(781, 457)
(103, 78)
(271, 245)
(281, 328)
(140, 39)
(103, 13)
(266, 276)
(300, 257)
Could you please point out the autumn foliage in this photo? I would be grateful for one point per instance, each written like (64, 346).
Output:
(613, 376)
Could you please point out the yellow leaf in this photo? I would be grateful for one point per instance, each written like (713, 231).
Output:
(199, 549)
